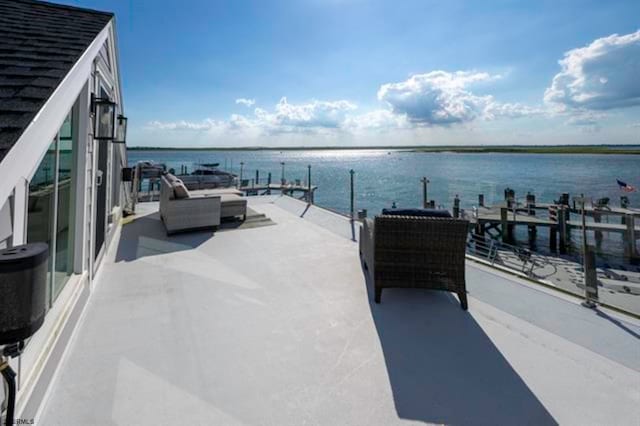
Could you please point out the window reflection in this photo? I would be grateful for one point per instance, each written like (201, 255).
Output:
(51, 207)
(65, 211)
(40, 220)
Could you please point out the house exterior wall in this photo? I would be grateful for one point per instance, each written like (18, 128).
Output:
(38, 363)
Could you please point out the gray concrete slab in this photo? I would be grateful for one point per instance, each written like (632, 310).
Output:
(275, 326)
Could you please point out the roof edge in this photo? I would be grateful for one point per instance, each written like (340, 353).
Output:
(68, 7)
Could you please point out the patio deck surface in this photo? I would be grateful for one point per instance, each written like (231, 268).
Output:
(275, 325)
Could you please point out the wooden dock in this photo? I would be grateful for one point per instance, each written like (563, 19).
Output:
(504, 219)
(501, 219)
(302, 190)
(524, 219)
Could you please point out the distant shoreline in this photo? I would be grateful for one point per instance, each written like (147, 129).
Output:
(481, 149)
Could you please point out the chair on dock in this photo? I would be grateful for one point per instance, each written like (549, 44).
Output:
(415, 251)
(602, 204)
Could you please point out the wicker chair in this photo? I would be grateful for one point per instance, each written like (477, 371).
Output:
(415, 252)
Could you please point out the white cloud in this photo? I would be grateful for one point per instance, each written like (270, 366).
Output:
(495, 110)
(246, 102)
(207, 124)
(601, 76)
(314, 116)
(377, 120)
(441, 98)
(436, 98)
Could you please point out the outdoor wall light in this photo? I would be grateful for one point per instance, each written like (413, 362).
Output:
(104, 111)
(121, 129)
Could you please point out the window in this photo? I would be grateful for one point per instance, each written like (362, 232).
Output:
(40, 208)
(65, 211)
(51, 207)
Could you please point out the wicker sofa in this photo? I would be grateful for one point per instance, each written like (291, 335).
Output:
(233, 204)
(415, 252)
(181, 211)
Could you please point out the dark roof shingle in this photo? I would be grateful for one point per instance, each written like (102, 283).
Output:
(39, 43)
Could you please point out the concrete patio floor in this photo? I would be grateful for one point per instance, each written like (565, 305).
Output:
(275, 325)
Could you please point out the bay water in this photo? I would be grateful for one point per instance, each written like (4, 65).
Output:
(384, 177)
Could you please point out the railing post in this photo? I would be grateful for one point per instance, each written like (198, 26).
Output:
(424, 181)
(597, 234)
(456, 207)
(481, 200)
(282, 181)
(309, 196)
(269, 183)
(590, 278)
(351, 172)
(241, 170)
(629, 238)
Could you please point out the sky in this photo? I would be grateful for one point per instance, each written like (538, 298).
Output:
(206, 73)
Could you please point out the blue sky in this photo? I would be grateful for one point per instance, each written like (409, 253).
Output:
(356, 72)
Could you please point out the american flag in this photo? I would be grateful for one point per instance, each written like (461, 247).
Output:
(625, 187)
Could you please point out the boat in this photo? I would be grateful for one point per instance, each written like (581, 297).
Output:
(209, 175)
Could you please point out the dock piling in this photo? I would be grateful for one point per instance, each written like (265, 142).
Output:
(553, 240)
(504, 212)
(456, 206)
(509, 196)
(531, 204)
(481, 200)
(562, 228)
(269, 183)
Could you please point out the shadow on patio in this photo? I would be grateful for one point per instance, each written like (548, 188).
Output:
(442, 366)
(146, 236)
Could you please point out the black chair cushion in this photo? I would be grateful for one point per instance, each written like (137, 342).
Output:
(416, 212)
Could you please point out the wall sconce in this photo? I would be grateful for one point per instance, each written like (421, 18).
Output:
(104, 111)
(121, 130)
